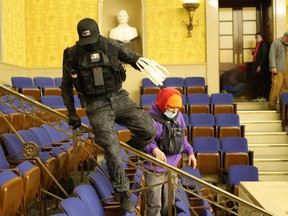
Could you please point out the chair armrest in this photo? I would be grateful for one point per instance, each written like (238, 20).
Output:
(235, 107)
(242, 128)
(47, 148)
(251, 157)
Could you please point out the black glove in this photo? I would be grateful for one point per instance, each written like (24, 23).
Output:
(74, 120)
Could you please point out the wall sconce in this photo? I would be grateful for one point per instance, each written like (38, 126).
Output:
(190, 6)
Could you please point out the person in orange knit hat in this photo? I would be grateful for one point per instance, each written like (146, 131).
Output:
(167, 107)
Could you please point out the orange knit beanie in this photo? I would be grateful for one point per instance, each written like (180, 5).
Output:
(168, 96)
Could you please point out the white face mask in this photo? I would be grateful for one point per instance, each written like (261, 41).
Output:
(170, 114)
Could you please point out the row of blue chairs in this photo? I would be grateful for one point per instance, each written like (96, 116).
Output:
(56, 102)
(37, 86)
(207, 124)
(20, 185)
(215, 156)
(21, 82)
(187, 85)
(24, 121)
(86, 202)
(236, 174)
(202, 124)
(198, 103)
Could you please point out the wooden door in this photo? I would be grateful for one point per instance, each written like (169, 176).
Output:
(239, 21)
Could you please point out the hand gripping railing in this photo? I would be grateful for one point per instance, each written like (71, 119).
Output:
(213, 195)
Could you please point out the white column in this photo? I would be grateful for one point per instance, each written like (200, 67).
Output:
(212, 46)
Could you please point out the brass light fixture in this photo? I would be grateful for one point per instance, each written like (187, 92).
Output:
(190, 6)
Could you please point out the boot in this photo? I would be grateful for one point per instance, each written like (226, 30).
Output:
(127, 204)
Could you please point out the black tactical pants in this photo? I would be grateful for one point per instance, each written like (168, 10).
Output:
(121, 109)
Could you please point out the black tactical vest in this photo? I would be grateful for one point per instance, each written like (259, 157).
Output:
(97, 72)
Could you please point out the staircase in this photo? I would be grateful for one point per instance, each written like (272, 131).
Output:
(265, 137)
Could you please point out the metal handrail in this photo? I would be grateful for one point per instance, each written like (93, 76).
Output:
(215, 196)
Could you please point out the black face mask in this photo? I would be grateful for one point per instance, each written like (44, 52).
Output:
(93, 47)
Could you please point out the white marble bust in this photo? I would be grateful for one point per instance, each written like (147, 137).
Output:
(123, 31)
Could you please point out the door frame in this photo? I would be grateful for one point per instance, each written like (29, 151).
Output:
(212, 40)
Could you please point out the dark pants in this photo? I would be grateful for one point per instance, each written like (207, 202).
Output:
(263, 83)
(238, 89)
(121, 109)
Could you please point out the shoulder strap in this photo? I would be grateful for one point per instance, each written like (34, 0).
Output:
(158, 118)
(164, 121)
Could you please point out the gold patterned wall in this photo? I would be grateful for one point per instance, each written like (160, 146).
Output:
(168, 40)
(51, 27)
(43, 29)
(14, 32)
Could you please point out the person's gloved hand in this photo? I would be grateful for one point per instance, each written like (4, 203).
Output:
(154, 71)
(74, 120)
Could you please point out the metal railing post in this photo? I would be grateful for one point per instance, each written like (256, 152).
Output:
(75, 158)
(170, 193)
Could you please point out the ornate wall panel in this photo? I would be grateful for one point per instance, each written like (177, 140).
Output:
(51, 27)
(167, 39)
(14, 32)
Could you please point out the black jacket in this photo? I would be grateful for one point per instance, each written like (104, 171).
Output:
(116, 51)
(262, 58)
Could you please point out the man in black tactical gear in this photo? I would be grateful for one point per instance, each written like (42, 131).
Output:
(93, 67)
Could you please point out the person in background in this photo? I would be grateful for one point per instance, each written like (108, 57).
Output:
(278, 67)
(260, 68)
(232, 81)
(168, 103)
(93, 67)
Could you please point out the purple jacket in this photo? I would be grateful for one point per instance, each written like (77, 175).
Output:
(170, 159)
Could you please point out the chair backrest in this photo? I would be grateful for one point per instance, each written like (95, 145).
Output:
(11, 192)
(102, 186)
(28, 136)
(194, 81)
(58, 81)
(198, 103)
(181, 200)
(220, 98)
(77, 101)
(57, 151)
(73, 206)
(3, 106)
(195, 172)
(42, 136)
(43, 81)
(3, 161)
(89, 197)
(198, 99)
(206, 145)
(53, 101)
(184, 99)
(31, 180)
(237, 173)
(13, 145)
(186, 119)
(54, 134)
(147, 99)
(234, 144)
(206, 212)
(146, 82)
(173, 82)
(202, 119)
(19, 82)
(227, 120)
